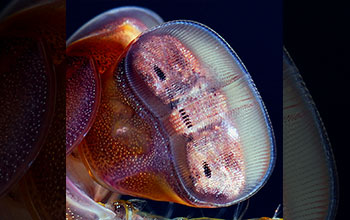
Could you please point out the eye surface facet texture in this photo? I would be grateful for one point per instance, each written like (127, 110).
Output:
(215, 121)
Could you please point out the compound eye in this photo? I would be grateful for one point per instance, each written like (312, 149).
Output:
(219, 133)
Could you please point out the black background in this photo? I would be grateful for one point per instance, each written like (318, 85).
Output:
(316, 36)
(254, 31)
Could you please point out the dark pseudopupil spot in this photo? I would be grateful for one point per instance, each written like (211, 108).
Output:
(185, 118)
(159, 72)
(207, 170)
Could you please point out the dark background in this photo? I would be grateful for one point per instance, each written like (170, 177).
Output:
(254, 31)
(316, 36)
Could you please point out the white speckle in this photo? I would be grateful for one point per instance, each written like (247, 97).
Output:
(232, 132)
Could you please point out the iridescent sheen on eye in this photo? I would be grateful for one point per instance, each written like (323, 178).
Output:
(181, 121)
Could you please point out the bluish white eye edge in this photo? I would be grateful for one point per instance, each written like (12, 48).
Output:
(295, 74)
